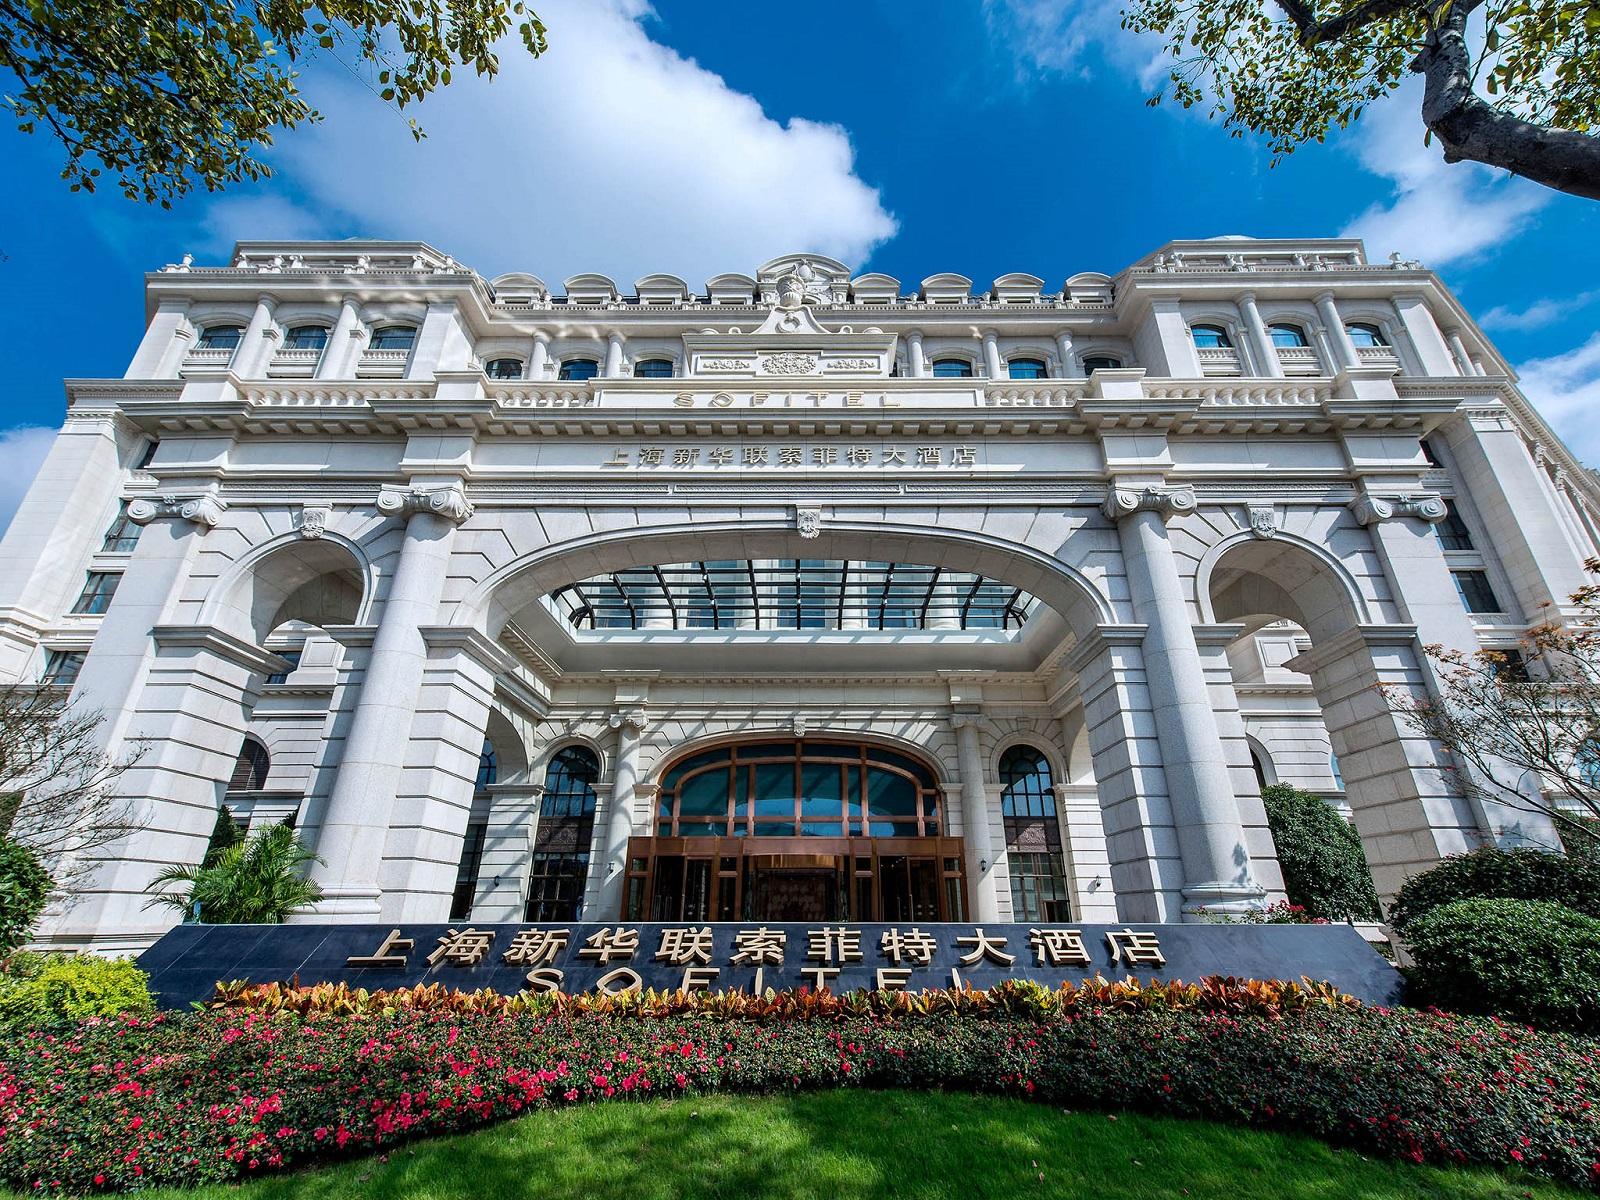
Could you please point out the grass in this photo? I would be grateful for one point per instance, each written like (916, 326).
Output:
(846, 1145)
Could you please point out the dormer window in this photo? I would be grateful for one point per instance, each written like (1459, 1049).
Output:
(1025, 368)
(306, 337)
(393, 337)
(1208, 337)
(220, 337)
(1364, 335)
(1288, 336)
(952, 368)
(503, 368)
(579, 369)
(1100, 362)
(653, 368)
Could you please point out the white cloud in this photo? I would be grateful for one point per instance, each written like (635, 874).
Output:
(1566, 389)
(21, 452)
(610, 153)
(1538, 314)
(1440, 212)
(1047, 37)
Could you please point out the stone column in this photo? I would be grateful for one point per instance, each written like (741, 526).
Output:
(165, 342)
(1417, 319)
(363, 794)
(1216, 861)
(975, 818)
(539, 359)
(613, 363)
(992, 365)
(1088, 865)
(630, 726)
(916, 363)
(1458, 351)
(257, 345)
(1266, 353)
(344, 344)
(1071, 368)
(1344, 350)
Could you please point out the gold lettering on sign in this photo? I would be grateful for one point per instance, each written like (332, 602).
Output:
(466, 948)
(1058, 947)
(535, 947)
(681, 947)
(758, 947)
(1136, 948)
(606, 944)
(984, 946)
(390, 955)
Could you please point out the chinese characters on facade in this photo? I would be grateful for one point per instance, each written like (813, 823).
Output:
(758, 457)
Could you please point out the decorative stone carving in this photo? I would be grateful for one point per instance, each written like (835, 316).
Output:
(798, 726)
(1424, 506)
(1168, 501)
(449, 502)
(789, 363)
(808, 521)
(634, 717)
(205, 511)
(1263, 520)
(314, 520)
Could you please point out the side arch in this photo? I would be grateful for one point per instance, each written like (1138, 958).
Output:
(1281, 576)
(324, 580)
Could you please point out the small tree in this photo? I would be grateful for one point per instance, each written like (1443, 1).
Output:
(1324, 867)
(1511, 83)
(1525, 728)
(258, 881)
(24, 888)
(57, 786)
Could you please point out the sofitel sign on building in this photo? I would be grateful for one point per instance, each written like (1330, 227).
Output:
(801, 601)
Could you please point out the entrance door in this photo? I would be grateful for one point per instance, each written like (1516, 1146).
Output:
(798, 895)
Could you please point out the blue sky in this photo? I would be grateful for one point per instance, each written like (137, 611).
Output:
(697, 136)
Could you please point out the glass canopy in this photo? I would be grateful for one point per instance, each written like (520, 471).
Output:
(787, 593)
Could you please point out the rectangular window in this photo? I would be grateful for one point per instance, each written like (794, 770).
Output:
(122, 535)
(467, 872)
(1453, 532)
(61, 667)
(555, 886)
(1476, 594)
(283, 676)
(1429, 454)
(98, 589)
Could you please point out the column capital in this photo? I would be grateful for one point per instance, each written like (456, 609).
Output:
(1425, 506)
(449, 502)
(633, 718)
(203, 512)
(1167, 501)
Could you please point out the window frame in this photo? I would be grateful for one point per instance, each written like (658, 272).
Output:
(379, 333)
(1224, 339)
(1288, 329)
(578, 369)
(1482, 587)
(1369, 329)
(321, 347)
(670, 372)
(204, 340)
(97, 593)
(122, 535)
(1042, 372)
(62, 667)
(952, 367)
(490, 371)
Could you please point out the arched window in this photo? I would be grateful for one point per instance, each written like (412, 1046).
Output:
(560, 865)
(488, 767)
(653, 368)
(1025, 368)
(306, 337)
(472, 845)
(393, 337)
(1291, 336)
(579, 368)
(1100, 362)
(1363, 334)
(503, 368)
(806, 789)
(1033, 837)
(1210, 337)
(952, 368)
(250, 768)
(1333, 769)
(220, 337)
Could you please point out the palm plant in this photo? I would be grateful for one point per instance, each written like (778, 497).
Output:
(258, 881)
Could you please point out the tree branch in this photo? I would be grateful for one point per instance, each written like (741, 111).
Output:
(1315, 32)
(1470, 128)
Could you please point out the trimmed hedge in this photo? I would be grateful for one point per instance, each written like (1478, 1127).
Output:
(38, 990)
(1490, 874)
(24, 887)
(1325, 869)
(182, 1099)
(1525, 960)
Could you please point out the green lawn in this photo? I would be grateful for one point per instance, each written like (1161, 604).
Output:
(848, 1144)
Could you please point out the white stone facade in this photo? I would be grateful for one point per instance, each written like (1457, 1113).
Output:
(367, 458)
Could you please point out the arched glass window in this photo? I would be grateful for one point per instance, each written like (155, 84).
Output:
(1033, 837)
(653, 368)
(1100, 362)
(952, 368)
(1333, 769)
(1363, 334)
(798, 788)
(393, 337)
(250, 768)
(306, 337)
(1025, 368)
(560, 864)
(503, 368)
(1288, 335)
(1210, 337)
(220, 337)
(579, 368)
(488, 767)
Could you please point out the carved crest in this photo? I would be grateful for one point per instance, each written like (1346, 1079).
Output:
(808, 521)
(1263, 520)
(789, 363)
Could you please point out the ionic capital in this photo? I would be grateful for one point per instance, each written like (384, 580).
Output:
(634, 718)
(204, 512)
(1425, 506)
(1167, 501)
(449, 502)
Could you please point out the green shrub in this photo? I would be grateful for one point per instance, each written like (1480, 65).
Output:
(1580, 835)
(1491, 874)
(1524, 960)
(1325, 869)
(24, 888)
(70, 989)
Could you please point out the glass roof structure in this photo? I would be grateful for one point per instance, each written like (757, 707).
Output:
(787, 593)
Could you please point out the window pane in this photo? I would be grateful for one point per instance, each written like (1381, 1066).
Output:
(1453, 532)
(952, 368)
(1288, 335)
(61, 667)
(1025, 368)
(653, 368)
(98, 589)
(1210, 337)
(221, 337)
(1095, 363)
(579, 368)
(306, 337)
(1475, 591)
(394, 337)
(774, 800)
(122, 535)
(1365, 335)
(504, 368)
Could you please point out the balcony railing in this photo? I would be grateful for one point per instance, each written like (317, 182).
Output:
(1299, 360)
(1218, 360)
(383, 364)
(205, 356)
(294, 364)
(1377, 356)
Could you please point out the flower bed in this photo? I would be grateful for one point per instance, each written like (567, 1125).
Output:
(136, 1102)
